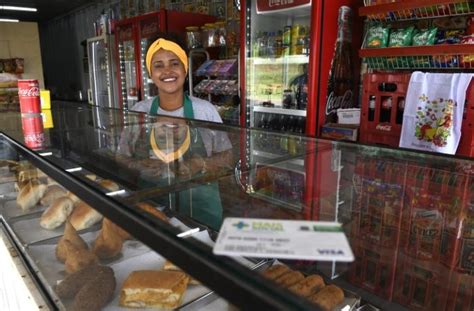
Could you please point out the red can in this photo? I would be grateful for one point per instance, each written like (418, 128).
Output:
(29, 95)
(33, 132)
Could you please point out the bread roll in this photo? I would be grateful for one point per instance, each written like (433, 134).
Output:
(147, 207)
(150, 288)
(169, 266)
(52, 193)
(70, 235)
(73, 197)
(84, 216)
(275, 271)
(109, 242)
(92, 177)
(309, 285)
(289, 278)
(30, 194)
(97, 293)
(55, 215)
(109, 185)
(328, 297)
(72, 283)
(78, 258)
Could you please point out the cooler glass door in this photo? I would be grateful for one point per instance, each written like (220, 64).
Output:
(128, 67)
(148, 31)
(98, 71)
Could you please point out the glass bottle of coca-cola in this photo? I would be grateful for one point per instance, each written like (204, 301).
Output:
(341, 77)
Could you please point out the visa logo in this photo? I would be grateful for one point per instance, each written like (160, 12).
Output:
(333, 252)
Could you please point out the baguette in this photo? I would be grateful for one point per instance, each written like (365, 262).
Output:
(52, 193)
(84, 216)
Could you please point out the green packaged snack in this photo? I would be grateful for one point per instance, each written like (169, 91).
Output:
(377, 36)
(425, 37)
(401, 37)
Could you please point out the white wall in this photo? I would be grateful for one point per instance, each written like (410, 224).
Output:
(22, 40)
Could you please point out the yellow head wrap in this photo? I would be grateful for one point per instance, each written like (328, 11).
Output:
(169, 46)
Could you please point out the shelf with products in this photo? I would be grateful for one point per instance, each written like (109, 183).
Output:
(288, 59)
(415, 9)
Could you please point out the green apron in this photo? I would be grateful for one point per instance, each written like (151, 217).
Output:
(202, 203)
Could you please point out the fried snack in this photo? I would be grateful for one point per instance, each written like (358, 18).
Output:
(70, 235)
(30, 194)
(109, 185)
(169, 266)
(73, 282)
(147, 207)
(151, 288)
(97, 293)
(328, 297)
(78, 258)
(110, 240)
(289, 278)
(84, 216)
(308, 286)
(275, 271)
(55, 215)
(52, 193)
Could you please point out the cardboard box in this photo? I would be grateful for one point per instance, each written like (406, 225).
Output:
(47, 119)
(340, 131)
(45, 99)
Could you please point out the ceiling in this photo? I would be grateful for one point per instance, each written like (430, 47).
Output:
(47, 9)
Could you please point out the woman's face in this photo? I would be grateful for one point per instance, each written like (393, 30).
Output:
(167, 72)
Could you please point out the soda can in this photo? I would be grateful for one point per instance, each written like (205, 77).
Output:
(29, 96)
(33, 132)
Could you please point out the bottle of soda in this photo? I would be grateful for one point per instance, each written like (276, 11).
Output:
(371, 108)
(341, 77)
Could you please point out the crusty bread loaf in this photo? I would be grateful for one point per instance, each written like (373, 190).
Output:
(84, 216)
(328, 297)
(151, 288)
(147, 207)
(70, 235)
(55, 215)
(308, 286)
(109, 185)
(78, 258)
(275, 271)
(52, 193)
(30, 194)
(110, 240)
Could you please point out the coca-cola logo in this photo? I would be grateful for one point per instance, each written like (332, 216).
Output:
(37, 138)
(31, 92)
(384, 127)
(335, 102)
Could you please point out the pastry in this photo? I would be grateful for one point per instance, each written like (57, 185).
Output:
(110, 240)
(309, 285)
(84, 216)
(55, 215)
(289, 278)
(70, 235)
(72, 283)
(30, 194)
(147, 207)
(78, 258)
(328, 297)
(73, 197)
(109, 185)
(96, 293)
(52, 193)
(150, 288)
(169, 266)
(275, 271)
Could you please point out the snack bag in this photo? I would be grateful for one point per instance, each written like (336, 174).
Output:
(467, 61)
(425, 37)
(401, 37)
(377, 36)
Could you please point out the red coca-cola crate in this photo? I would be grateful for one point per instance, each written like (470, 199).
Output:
(378, 124)
(376, 128)
(461, 292)
(435, 202)
(421, 285)
(373, 268)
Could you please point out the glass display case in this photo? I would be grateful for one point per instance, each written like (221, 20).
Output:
(157, 190)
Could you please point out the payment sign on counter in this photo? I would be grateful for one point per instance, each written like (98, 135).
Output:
(285, 239)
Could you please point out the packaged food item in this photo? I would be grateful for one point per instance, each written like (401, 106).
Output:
(401, 37)
(450, 36)
(425, 36)
(193, 37)
(467, 61)
(377, 36)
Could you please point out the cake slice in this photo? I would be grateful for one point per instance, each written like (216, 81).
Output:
(152, 288)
